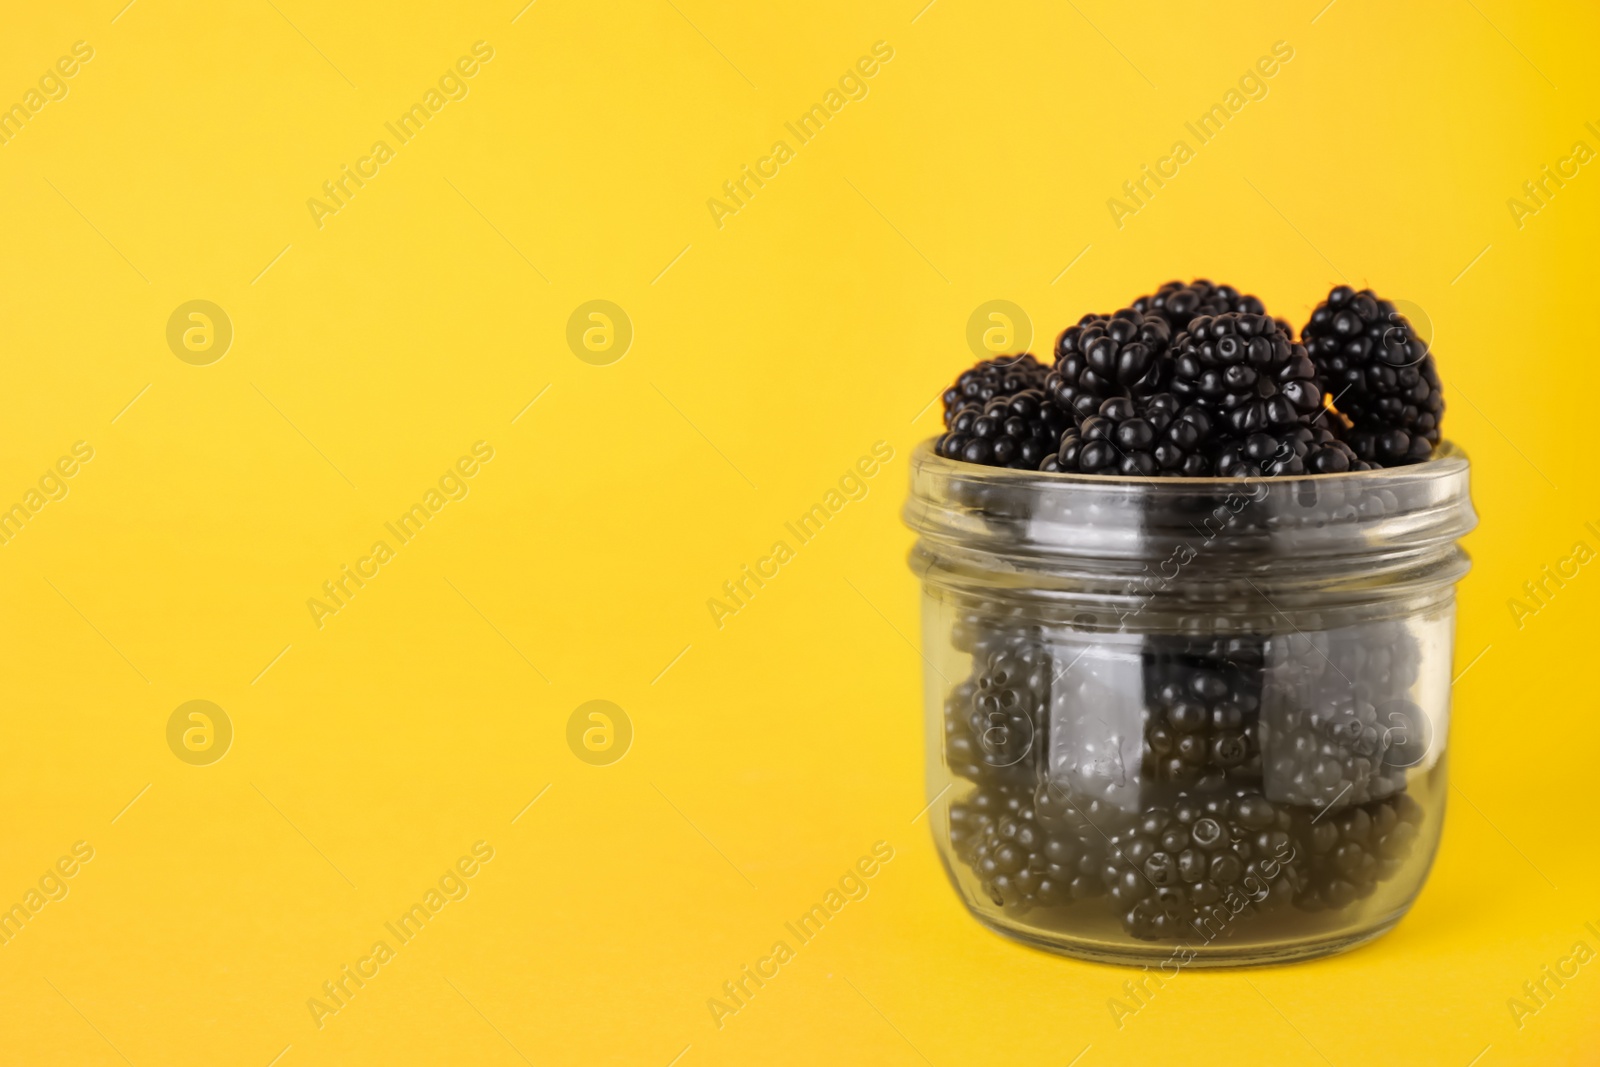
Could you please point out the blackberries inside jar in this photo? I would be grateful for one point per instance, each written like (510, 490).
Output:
(1195, 718)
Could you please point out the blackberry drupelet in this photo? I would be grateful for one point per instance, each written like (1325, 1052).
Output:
(1203, 709)
(1179, 303)
(1015, 431)
(1248, 370)
(1155, 435)
(1380, 375)
(1124, 354)
(1194, 869)
(1350, 851)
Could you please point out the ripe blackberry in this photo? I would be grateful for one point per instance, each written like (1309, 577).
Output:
(1179, 303)
(1192, 870)
(1248, 370)
(994, 719)
(1300, 449)
(979, 627)
(1002, 376)
(1027, 853)
(1155, 435)
(1014, 431)
(1124, 354)
(1350, 851)
(1203, 707)
(961, 752)
(1333, 754)
(1380, 375)
(1389, 448)
(1338, 726)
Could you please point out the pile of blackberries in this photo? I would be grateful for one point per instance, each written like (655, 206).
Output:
(1270, 773)
(1197, 380)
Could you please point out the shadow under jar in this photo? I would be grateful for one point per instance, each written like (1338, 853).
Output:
(1192, 719)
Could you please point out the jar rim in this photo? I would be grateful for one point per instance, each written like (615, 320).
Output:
(1447, 458)
(1017, 519)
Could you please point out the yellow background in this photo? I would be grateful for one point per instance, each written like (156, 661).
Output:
(769, 354)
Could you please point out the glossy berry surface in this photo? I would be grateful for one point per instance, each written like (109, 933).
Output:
(994, 720)
(1247, 370)
(1026, 856)
(1194, 869)
(1203, 707)
(1000, 377)
(1341, 728)
(1125, 354)
(1015, 431)
(1179, 302)
(1380, 374)
(1147, 437)
(1299, 449)
(1349, 851)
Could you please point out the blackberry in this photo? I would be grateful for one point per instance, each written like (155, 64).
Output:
(977, 629)
(1008, 431)
(1002, 376)
(1124, 354)
(1389, 448)
(1331, 755)
(1248, 370)
(1156, 435)
(1349, 852)
(1338, 725)
(1179, 303)
(1195, 868)
(993, 720)
(1024, 854)
(1203, 710)
(962, 755)
(1301, 449)
(1380, 375)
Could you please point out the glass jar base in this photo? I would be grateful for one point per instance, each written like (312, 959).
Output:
(1123, 954)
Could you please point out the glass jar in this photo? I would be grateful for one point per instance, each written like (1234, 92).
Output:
(1200, 720)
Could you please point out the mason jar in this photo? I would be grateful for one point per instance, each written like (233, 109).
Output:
(1202, 721)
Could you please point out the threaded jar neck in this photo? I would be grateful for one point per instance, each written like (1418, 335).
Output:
(1183, 542)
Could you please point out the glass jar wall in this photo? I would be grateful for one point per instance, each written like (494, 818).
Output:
(1198, 719)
